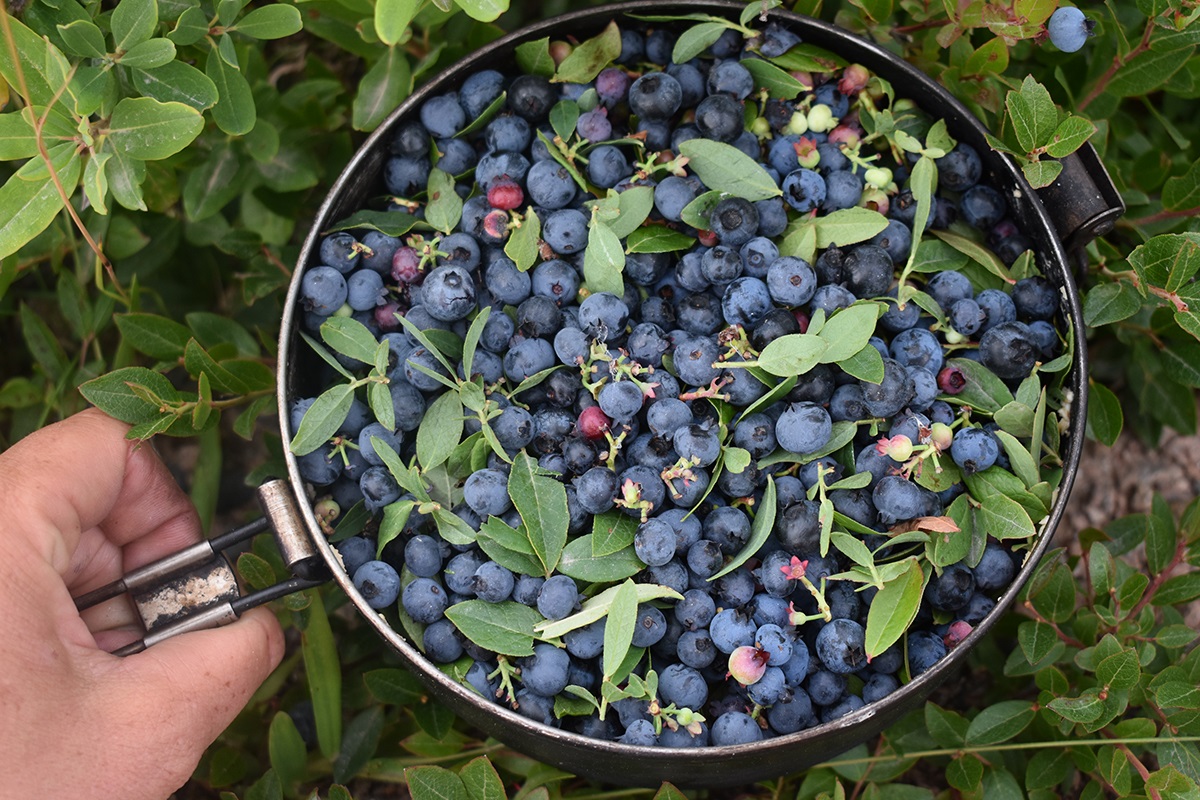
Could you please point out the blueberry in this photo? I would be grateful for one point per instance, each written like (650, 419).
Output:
(379, 488)
(545, 672)
(486, 492)
(424, 600)
(607, 166)
(442, 116)
(405, 175)
(322, 290)
(735, 727)
(734, 221)
(746, 302)
(925, 649)
(1009, 350)
(1069, 29)
(355, 552)
(960, 169)
(479, 90)
(449, 293)
(804, 190)
(843, 189)
(803, 428)
(531, 97)
(565, 231)
(982, 206)
(1034, 299)
(378, 583)
(655, 95)
(719, 117)
(550, 185)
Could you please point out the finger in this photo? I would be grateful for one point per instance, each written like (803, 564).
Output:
(193, 685)
(81, 474)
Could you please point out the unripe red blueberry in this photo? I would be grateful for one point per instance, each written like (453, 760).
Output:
(747, 664)
(406, 265)
(951, 380)
(505, 194)
(594, 423)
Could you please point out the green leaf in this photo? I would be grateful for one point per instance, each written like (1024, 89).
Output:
(633, 207)
(1160, 537)
(158, 337)
(1033, 114)
(213, 184)
(866, 365)
(481, 780)
(848, 226)
(95, 182)
(843, 434)
(392, 18)
(698, 212)
(322, 419)
(235, 112)
(271, 22)
(1037, 640)
(17, 139)
(505, 628)
(83, 38)
(1177, 591)
(542, 503)
(1182, 191)
(392, 223)
(522, 245)
(695, 40)
(1083, 709)
(349, 337)
(1069, 136)
(150, 54)
(289, 757)
(111, 393)
(894, 608)
(434, 783)
(848, 331)
(359, 743)
(597, 607)
(1005, 518)
(1169, 261)
(43, 67)
(922, 183)
(440, 431)
(809, 58)
(382, 88)
(471, 343)
(779, 84)
(658, 239)
(176, 82)
(760, 530)
(534, 58)
(1109, 303)
(190, 28)
(999, 722)
(948, 728)
(990, 58)
(794, 354)
(736, 459)
(1041, 173)
(983, 390)
(976, 252)
(589, 57)
(1146, 72)
(133, 22)
(603, 260)
(612, 532)
(1120, 670)
(324, 673)
(563, 118)
(619, 630)
(578, 562)
(148, 129)
(724, 168)
(31, 205)
(444, 207)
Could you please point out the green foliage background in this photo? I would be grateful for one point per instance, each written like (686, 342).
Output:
(189, 144)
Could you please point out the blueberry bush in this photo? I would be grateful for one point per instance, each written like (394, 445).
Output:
(161, 160)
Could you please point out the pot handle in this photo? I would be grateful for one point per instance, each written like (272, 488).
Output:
(196, 587)
(1083, 202)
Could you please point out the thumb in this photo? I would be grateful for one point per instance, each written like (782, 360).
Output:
(180, 694)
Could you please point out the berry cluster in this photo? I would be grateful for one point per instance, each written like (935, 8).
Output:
(684, 403)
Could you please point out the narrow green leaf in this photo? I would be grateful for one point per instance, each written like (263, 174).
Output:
(848, 331)
(392, 223)
(158, 337)
(848, 226)
(976, 252)
(382, 88)
(31, 205)
(441, 430)
(923, 183)
(534, 58)
(777, 82)
(695, 40)
(983, 390)
(288, 755)
(724, 168)
(270, 22)
(1022, 462)
(563, 118)
(133, 22)
(542, 503)
(612, 532)
(589, 57)
(349, 337)
(618, 631)
(111, 393)
(522, 244)
(999, 722)
(324, 674)
(322, 419)
(894, 609)
(444, 207)
(658, 239)
(1148, 71)
(505, 628)
(603, 260)
(235, 112)
(359, 743)
(597, 607)
(760, 530)
(1004, 518)
(794, 354)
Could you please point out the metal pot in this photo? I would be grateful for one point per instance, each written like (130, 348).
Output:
(1059, 220)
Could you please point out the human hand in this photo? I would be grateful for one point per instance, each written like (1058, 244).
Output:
(83, 505)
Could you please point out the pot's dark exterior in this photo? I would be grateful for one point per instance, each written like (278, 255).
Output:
(710, 766)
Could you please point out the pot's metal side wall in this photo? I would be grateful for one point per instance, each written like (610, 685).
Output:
(712, 766)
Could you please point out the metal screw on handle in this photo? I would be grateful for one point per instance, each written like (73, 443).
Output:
(196, 588)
